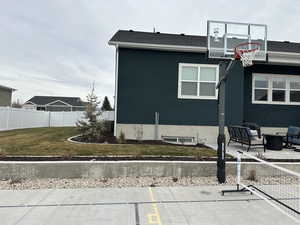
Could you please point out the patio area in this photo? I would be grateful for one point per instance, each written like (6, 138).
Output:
(281, 145)
(285, 153)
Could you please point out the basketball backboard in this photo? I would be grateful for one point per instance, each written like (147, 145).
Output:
(223, 37)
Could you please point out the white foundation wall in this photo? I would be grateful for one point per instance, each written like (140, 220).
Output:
(273, 130)
(204, 134)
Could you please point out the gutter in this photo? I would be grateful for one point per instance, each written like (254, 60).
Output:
(183, 48)
(273, 56)
(288, 58)
(284, 53)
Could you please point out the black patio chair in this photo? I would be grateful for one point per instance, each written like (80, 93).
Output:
(253, 126)
(292, 137)
(243, 136)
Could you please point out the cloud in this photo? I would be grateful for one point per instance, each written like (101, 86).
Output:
(59, 47)
(54, 48)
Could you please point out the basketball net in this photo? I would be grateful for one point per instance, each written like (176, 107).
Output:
(247, 58)
(247, 55)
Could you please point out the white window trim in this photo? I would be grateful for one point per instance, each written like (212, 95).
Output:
(50, 103)
(270, 88)
(29, 103)
(180, 65)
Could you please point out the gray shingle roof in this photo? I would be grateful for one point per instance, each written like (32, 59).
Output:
(159, 38)
(188, 40)
(44, 100)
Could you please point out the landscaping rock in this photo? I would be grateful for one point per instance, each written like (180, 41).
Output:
(122, 182)
(111, 182)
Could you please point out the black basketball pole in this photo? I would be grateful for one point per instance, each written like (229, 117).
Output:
(224, 70)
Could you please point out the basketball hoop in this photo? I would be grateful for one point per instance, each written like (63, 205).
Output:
(246, 52)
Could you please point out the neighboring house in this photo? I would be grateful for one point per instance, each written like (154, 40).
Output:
(52, 103)
(6, 95)
(149, 68)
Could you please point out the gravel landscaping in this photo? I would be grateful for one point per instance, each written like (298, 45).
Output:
(22, 184)
(110, 182)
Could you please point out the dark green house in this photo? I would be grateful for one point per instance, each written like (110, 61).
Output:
(170, 74)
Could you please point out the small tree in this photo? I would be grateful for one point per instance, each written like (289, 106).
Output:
(92, 128)
(106, 105)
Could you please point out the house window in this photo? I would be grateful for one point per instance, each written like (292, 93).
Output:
(261, 87)
(41, 108)
(197, 81)
(276, 89)
(295, 91)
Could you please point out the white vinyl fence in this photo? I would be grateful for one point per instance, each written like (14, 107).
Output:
(13, 118)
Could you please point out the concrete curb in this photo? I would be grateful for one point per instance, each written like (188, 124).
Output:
(77, 142)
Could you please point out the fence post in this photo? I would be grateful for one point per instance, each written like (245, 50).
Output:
(7, 117)
(49, 119)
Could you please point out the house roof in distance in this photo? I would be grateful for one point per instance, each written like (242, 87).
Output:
(7, 88)
(164, 39)
(44, 100)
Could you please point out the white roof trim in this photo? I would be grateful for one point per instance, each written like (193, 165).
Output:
(59, 101)
(184, 48)
(284, 57)
(284, 53)
(275, 57)
(29, 102)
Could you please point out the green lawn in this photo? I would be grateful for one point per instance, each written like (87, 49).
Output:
(53, 141)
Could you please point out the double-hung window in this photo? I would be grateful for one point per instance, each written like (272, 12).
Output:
(260, 88)
(275, 89)
(197, 81)
(295, 91)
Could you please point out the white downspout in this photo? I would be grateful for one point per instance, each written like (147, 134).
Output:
(116, 88)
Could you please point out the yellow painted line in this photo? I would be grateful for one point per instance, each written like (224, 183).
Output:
(154, 218)
(151, 195)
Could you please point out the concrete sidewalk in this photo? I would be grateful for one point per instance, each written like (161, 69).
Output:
(136, 206)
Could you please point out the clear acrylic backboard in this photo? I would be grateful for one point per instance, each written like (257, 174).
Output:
(223, 37)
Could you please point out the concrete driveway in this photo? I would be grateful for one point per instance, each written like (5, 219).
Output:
(136, 206)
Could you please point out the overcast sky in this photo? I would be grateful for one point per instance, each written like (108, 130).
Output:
(59, 47)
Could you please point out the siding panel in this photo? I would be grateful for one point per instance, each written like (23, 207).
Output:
(148, 83)
(266, 114)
